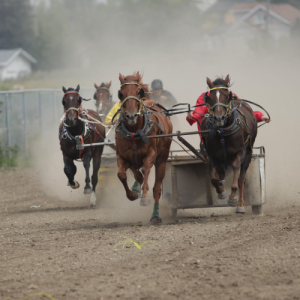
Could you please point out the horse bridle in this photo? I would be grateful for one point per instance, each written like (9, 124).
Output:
(72, 108)
(79, 109)
(141, 93)
(228, 106)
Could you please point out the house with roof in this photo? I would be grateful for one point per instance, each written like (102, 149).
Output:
(15, 63)
(230, 22)
(255, 18)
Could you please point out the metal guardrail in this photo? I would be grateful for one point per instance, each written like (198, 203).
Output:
(26, 114)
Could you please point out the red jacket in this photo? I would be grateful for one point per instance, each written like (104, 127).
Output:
(203, 110)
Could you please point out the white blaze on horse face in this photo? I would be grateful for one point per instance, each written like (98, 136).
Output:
(218, 96)
(100, 105)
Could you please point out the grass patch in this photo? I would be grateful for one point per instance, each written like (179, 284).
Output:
(8, 157)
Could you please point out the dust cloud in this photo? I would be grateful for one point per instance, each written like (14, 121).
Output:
(112, 204)
(269, 77)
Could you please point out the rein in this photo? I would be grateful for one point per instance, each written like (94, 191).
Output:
(172, 111)
(82, 111)
(257, 106)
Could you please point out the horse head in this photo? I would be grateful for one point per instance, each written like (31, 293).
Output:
(103, 97)
(219, 100)
(72, 105)
(132, 93)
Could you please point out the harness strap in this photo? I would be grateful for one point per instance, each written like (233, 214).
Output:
(135, 151)
(70, 92)
(245, 125)
(131, 82)
(82, 142)
(102, 88)
(133, 139)
(224, 148)
(219, 87)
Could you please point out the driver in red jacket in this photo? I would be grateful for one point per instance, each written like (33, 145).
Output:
(191, 116)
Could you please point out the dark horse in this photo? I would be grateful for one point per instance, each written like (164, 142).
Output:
(233, 129)
(103, 98)
(134, 150)
(80, 126)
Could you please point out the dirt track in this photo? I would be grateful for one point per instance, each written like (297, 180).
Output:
(68, 251)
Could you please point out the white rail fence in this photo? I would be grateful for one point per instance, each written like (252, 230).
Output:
(26, 114)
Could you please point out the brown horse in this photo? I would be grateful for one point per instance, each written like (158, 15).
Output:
(78, 127)
(233, 129)
(103, 98)
(134, 150)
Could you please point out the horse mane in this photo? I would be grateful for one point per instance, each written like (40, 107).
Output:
(70, 89)
(104, 84)
(138, 78)
(220, 81)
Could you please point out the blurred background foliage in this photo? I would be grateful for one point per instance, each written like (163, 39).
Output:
(56, 29)
(61, 33)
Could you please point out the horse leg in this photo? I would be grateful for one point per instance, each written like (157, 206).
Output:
(148, 163)
(122, 168)
(96, 167)
(244, 167)
(86, 164)
(221, 173)
(160, 169)
(215, 179)
(233, 201)
(70, 171)
(138, 176)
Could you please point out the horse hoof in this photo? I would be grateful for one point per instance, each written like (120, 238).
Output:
(145, 201)
(222, 195)
(240, 210)
(136, 187)
(155, 220)
(93, 200)
(75, 186)
(133, 197)
(87, 191)
(232, 203)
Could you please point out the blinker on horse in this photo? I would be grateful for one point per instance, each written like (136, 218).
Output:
(75, 128)
(134, 150)
(233, 129)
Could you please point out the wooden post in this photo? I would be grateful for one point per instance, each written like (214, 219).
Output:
(25, 123)
(7, 112)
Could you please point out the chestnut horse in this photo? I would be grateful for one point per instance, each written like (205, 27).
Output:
(103, 98)
(78, 127)
(233, 129)
(134, 150)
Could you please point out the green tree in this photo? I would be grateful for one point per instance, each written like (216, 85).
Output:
(72, 29)
(16, 29)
